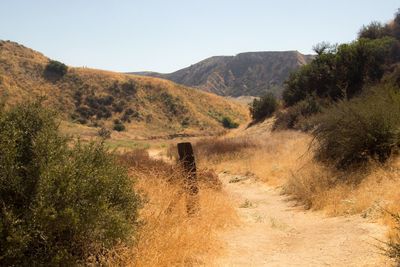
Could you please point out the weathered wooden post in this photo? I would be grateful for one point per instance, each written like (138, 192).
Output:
(186, 157)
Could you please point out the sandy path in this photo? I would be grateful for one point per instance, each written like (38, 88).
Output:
(275, 233)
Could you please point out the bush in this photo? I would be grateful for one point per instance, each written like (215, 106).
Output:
(295, 117)
(119, 106)
(228, 123)
(355, 131)
(374, 30)
(104, 133)
(60, 202)
(118, 126)
(56, 68)
(263, 107)
(340, 72)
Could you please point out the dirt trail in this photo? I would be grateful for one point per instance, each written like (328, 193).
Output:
(275, 233)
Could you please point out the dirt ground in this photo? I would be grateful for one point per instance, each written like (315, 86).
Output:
(274, 232)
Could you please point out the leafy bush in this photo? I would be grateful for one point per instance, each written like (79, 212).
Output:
(118, 126)
(295, 117)
(56, 68)
(374, 30)
(60, 203)
(119, 106)
(340, 72)
(365, 128)
(263, 107)
(126, 117)
(172, 104)
(228, 123)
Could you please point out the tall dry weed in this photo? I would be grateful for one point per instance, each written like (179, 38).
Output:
(168, 236)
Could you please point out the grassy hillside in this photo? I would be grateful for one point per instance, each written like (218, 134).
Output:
(95, 98)
(246, 74)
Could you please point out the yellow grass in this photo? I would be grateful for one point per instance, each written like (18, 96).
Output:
(167, 235)
(173, 238)
(22, 79)
(285, 159)
(272, 159)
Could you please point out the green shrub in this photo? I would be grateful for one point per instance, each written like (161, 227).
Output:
(296, 117)
(340, 72)
(60, 202)
(173, 105)
(263, 107)
(118, 126)
(374, 30)
(353, 132)
(56, 68)
(119, 106)
(228, 123)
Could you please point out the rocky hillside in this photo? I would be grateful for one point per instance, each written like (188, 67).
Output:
(246, 74)
(94, 98)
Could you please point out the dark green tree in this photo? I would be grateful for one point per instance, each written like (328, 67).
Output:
(264, 107)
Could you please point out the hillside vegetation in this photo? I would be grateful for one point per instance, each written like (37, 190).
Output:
(348, 99)
(141, 105)
(246, 74)
(62, 202)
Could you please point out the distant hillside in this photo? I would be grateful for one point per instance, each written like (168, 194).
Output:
(246, 74)
(146, 106)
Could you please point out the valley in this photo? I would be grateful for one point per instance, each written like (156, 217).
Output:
(270, 158)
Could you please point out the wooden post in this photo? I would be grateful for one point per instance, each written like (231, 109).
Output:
(186, 157)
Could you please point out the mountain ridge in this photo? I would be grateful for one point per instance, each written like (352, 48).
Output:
(244, 74)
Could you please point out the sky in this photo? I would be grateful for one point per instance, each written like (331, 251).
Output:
(166, 35)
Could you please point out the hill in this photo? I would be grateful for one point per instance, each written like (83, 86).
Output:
(251, 73)
(146, 106)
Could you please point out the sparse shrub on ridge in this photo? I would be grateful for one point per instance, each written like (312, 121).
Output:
(61, 203)
(56, 68)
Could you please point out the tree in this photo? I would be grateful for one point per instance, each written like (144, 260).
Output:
(263, 107)
(342, 72)
(56, 68)
(374, 30)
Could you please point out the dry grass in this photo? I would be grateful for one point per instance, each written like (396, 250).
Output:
(270, 156)
(285, 159)
(364, 191)
(165, 108)
(168, 236)
(216, 147)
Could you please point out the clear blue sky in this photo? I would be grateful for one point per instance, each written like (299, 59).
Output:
(166, 35)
